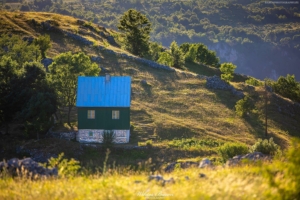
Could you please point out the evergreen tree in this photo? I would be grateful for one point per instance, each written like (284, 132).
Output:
(137, 28)
(177, 55)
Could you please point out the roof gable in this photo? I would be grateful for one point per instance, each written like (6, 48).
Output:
(96, 92)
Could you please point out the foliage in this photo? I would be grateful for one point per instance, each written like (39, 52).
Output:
(227, 70)
(165, 58)
(243, 106)
(64, 72)
(177, 55)
(229, 150)
(265, 146)
(108, 138)
(284, 173)
(190, 143)
(40, 100)
(137, 28)
(288, 87)
(154, 50)
(44, 44)
(65, 167)
(149, 143)
(254, 82)
(19, 50)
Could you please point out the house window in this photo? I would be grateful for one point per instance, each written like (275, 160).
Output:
(115, 114)
(91, 114)
(91, 134)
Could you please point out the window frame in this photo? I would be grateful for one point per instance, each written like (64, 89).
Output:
(91, 114)
(115, 114)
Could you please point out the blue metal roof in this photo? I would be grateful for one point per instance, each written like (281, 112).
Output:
(96, 92)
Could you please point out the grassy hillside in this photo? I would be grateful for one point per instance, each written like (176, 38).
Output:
(260, 37)
(173, 107)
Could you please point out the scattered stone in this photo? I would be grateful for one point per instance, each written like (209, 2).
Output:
(28, 166)
(80, 22)
(46, 62)
(144, 82)
(28, 39)
(183, 165)
(250, 156)
(215, 82)
(155, 177)
(95, 58)
(187, 178)
(137, 182)
(205, 162)
(202, 175)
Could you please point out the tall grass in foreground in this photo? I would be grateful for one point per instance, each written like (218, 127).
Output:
(279, 179)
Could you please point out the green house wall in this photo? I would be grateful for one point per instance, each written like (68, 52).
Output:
(103, 119)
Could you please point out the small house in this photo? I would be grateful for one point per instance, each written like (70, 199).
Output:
(103, 104)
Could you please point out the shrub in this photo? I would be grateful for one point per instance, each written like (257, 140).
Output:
(243, 106)
(65, 167)
(265, 147)
(230, 150)
(284, 173)
(254, 82)
(227, 70)
(108, 138)
(149, 143)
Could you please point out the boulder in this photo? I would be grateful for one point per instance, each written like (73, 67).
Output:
(28, 167)
(250, 156)
(205, 162)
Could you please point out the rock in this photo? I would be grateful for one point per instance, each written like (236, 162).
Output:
(46, 62)
(215, 82)
(80, 22)
(155, 177)
(28, 39)
(250, 156)
(95, 59)
(28, 166)
(205, 162)
(144, 82)
(183, 165)
(202, 175)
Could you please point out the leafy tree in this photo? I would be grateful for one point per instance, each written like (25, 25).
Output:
(137, 28)
(190, 56)
(288, 87)
(44, 44)
(8, 73)
(265, 146)
(19, 50)
(243, 106)
(154, 50)
(177, 55)
(64, 71)
(227, 70)
(165, 59)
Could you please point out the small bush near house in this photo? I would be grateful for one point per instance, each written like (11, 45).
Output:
(230, 150)
(265, 146)
(108, 138)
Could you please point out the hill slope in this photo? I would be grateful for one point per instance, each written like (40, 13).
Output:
(173, 105)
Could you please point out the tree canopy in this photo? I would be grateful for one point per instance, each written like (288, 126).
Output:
(137, 29)
(64, 70)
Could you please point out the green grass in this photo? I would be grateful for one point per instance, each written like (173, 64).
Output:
(228, 183)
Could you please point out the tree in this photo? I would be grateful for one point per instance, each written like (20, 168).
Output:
(177, 55)
(44, 44)
(227, 70)
(64, 71)
(137, 28)
(288, 87)
(165, 59)
(8, 73)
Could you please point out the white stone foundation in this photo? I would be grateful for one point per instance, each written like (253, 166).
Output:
(96, 136)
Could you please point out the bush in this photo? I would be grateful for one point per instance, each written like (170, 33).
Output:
(284, 174)
(243, 106)
(108, 138)
(227, 70)
(149, 143)
(265, 146)
(66, 168)
(254, 82)
(230, 150)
